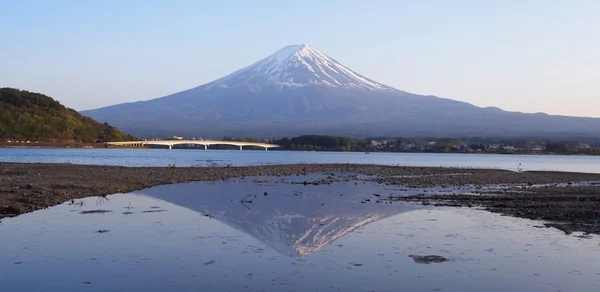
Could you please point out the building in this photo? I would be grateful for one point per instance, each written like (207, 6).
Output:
(508, 148)
(536, 149)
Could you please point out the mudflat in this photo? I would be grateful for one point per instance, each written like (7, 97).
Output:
(567, 201)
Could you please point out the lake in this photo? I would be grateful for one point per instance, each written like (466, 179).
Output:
(187, 157)
(272, 234)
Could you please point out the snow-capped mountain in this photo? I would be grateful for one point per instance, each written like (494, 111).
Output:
(295, 66)
(294, 220)
(300, 90)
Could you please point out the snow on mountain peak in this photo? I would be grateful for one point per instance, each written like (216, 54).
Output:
(296, 66)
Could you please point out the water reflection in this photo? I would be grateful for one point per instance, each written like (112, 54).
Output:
(292, 218)
(200, 237)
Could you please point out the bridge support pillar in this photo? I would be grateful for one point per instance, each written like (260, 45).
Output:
(240, 148)
(170, 147)
(266, 149)
(205, 147)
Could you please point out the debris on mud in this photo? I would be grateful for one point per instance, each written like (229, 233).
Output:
(95, 211)
(153, 211)
(428, 259)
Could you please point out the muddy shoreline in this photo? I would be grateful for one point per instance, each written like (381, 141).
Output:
(567, 201)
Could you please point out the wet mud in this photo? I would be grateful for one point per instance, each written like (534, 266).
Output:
(567, 201)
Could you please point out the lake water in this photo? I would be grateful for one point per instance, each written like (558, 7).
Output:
(268, 234)
(163, 157)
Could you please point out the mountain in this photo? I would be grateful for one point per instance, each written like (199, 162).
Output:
(299, 90)
(295, 220)
(28, 115)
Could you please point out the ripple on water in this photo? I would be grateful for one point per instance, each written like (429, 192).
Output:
(229, 235)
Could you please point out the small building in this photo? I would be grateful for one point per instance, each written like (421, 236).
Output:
(177, 138)
(493, 146)
(536, 149)
(508, 147)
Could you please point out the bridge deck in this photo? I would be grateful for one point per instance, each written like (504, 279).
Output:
(205, 143)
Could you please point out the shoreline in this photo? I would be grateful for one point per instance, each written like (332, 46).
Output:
(88, 146)
(569, 201)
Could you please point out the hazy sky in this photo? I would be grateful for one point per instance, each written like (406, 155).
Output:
(526, 55)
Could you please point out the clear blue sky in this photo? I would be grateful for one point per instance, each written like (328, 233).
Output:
(526, 55)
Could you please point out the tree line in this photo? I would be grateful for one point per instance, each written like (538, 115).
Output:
(432, 145)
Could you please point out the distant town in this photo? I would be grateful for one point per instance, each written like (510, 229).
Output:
(466, 146)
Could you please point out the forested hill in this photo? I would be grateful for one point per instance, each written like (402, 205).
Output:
(34, 116)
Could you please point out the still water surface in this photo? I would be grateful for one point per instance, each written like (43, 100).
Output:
(163, 157)
(265, 234)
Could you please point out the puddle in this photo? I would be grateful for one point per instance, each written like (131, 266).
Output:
(258, 234)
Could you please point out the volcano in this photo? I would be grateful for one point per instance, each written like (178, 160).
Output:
(295, 220)
(300, 90)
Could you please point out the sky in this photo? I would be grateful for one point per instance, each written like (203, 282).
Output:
(527, 55)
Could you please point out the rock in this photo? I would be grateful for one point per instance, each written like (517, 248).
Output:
(13, 209)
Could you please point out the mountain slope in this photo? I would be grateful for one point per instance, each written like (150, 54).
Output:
(292, 224)
(299, 90)
(27, 115)
(293, 67)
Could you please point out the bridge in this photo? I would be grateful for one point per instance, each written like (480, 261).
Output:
(205, 143)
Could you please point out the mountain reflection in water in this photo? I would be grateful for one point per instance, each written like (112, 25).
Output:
(292, 218)
(158, 240)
